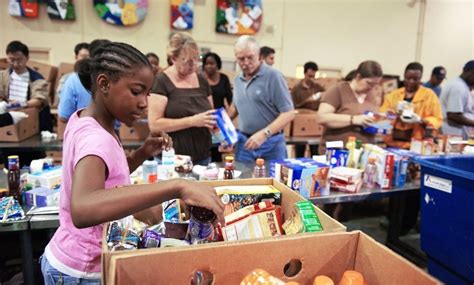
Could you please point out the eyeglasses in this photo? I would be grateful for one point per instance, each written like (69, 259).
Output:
(190, 61)
(246, 58)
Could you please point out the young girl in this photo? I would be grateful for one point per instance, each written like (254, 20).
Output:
(96, 170)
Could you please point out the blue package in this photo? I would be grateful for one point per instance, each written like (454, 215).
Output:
(337, 157)
(382, 125)
(400, 166)
(42, 197)
(226, 127)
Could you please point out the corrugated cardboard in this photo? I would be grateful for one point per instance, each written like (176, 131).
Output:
(289, 197)
(138, 132)
(306, 124)
(329, 254)
(24, 129)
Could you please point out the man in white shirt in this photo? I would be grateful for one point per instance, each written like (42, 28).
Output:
(457, 104)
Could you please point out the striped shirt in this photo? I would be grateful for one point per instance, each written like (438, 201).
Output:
(19, 87)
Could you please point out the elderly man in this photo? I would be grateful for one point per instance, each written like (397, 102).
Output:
(264, 105)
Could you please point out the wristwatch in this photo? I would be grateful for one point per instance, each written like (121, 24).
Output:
(267, 132)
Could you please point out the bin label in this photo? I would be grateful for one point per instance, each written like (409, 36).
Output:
(439, 183)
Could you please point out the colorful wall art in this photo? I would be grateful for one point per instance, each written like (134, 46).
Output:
(23, 8)
(61, 10)
(182, 14)
(121, 12)
(239, 17)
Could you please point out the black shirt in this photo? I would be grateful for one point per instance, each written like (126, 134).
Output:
(221, 91)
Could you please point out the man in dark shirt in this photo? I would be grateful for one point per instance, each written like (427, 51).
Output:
(437, 76)
(307, 93)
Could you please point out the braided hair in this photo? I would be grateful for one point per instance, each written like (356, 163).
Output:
(113, 59)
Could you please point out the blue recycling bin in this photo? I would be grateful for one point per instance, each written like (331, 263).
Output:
(447, 216)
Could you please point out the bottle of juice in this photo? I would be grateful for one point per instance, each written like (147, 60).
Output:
(259, 169)
(350, 145)
(14, 177)
(229, 167)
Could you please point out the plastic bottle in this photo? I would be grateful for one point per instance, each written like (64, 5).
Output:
(168, 158)
(370, 173)
(150, 171)
(351, 145)
(259, 169)
(229, 167)
(200, 228)
(14, 177)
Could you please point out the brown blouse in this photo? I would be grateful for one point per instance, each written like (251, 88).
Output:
(185, 102)
(343, 99)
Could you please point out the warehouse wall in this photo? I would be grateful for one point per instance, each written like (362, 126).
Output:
(335, 33)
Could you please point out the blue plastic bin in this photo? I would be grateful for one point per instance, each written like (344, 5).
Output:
(447, 215)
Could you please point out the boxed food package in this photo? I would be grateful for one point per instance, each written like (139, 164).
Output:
(346, 179)
(49, 178)
(382, 124)
(298, 258)
(288, 199)
(226, 130)
(24, 129)
(42, 197)
(383, 161)
(238, 197)
(307, 177)
(138, 132)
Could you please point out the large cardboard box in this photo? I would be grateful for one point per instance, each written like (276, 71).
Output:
(288, 198)
(24, 129)
(301, 257)
(138, 132)
(306, 124)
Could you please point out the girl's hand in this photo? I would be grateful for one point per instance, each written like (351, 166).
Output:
(205, 119)
(155, 143)
(202, 195)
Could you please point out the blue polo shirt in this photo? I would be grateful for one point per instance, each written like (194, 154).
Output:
(73, 97)
(260, 100)
(436, 89)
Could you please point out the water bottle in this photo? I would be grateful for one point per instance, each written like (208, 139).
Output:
(168, 163)
(150, 171)
(370, 174)
(259, 169)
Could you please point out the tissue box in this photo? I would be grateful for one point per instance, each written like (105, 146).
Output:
(227, 131)
(50, 178)
(42, 197)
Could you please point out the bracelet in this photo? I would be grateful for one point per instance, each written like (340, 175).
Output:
(351, 123)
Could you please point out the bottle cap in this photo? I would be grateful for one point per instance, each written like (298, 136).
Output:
(260, 161)
(229, 158)
(371, 159)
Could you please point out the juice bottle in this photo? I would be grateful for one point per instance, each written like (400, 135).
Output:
(229, 167)
(14, 177)
(259, 169)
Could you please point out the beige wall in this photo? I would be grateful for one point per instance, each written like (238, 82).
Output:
(334, 33)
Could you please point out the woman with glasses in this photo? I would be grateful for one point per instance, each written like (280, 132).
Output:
(181, 102)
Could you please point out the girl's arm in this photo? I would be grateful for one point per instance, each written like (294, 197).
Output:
(92, 205)
(156, 117)
(152, 146)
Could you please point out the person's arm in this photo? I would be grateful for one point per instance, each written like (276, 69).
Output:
(156, 117)
(460, 119)
(152, 146)
(329, 119)
(39, 94)
(92, 205)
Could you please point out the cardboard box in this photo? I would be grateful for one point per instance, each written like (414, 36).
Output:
(288, 198)
(329, 254)
(24, 129)
(138, 132)
(306, 124)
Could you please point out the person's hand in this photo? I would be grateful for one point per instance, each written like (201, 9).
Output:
(205, 119)
(3, 107)
(202, 195)
(155, 143)
(18, 116)
(316, 96)
(362, 120)
(414, 119)
(16, 105)
(256, 140)
(225, 147)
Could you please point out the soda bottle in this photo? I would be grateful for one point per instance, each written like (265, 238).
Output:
(200, 228)
(14, 177)
(229, 167)
(370, 173)
(259, 169)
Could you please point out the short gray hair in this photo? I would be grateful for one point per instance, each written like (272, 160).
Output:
(246, 42)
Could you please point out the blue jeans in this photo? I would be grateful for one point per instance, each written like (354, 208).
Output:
(272, 148)
(52, 276)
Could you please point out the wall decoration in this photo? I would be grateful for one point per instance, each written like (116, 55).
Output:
(23, 8)
(121, 12)
(239, 17)
(182, 14)
(61, 10)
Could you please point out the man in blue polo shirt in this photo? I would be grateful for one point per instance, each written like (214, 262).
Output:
(437, 76)
(263, 103)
